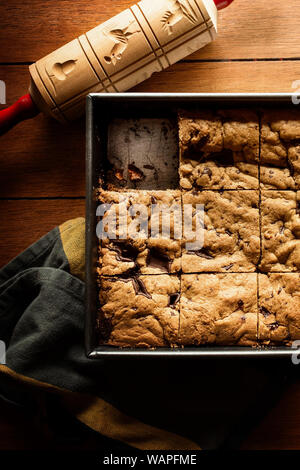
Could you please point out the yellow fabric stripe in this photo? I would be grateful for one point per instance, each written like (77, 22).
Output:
(72, 234)
(108, 420)
(27, 381)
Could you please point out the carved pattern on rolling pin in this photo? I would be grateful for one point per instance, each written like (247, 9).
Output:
(60, 71)
(121, 38)
(178, 9)
(105, 59)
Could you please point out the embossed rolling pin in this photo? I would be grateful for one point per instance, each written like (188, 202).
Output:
(115, 56)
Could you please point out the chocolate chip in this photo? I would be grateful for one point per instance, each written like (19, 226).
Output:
(228, 267)
(138, 285)
(203, 253)
(224, 158)
(140, 288)
(240, 303)
(207, 171)
(282, 230)
(135, 174)
(156, 259)
(290, 167)
(173, 299)
(196, 146)
(202, 142)
(104, 326)
(273, 326)
(265, 312)
(125, 252)
(195, 192)
(153, 200)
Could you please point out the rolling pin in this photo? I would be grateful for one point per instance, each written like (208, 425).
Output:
(115, 56)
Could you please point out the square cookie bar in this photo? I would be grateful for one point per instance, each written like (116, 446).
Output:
(139, 311)
(218, 309)
(280, 150)
(280, 231)
(279, 307)
(231, 238)
(219, 150)
(139, 212)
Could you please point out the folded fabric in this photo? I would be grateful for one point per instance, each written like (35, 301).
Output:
(143, 403)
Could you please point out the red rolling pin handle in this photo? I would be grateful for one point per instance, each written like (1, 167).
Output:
(220, 4)
(22, 109)
(25, 108)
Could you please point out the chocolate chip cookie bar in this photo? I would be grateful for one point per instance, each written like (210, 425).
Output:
(218, 309)
(216, 262)
(280, 231)
(231, 236)
(139, 311)
(136, 242)
(280, 150)
(279, 308)
(219, 150)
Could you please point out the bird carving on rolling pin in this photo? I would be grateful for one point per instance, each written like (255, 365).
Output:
(71, 80)
(179, 9)
(120, 38)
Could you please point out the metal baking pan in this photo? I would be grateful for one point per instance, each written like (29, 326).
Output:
(102, 111)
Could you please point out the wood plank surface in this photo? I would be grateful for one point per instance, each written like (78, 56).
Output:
(280, 428)
(247, 29)
(17, 427)
(42, 159)
(25, 221)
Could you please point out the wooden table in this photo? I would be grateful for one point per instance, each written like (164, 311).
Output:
(42, 163)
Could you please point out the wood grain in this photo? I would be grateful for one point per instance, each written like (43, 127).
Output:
(23, 222)
(225, 77)
(41, 158)
(247, 29)
(280, 428)
(16, 428)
